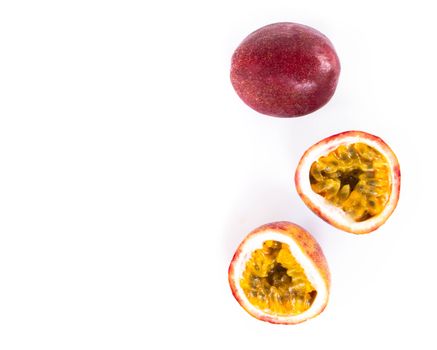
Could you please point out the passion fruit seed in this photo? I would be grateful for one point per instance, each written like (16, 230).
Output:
(355, 178)
(274, 281)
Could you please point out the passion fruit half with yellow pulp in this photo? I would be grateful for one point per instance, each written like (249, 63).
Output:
(351, 180)
(280, 275)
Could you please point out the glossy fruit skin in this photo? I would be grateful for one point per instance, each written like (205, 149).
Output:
(359, 136)
(285, 70)
(308, 246)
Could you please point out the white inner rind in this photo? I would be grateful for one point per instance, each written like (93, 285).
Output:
(310, 270)
(332, 211)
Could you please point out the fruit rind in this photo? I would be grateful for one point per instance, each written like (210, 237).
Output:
(307, 251)
(283, 87)
(319, 205)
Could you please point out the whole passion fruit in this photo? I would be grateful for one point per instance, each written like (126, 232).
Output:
(280, 275)
(351, 180)
(285, 70)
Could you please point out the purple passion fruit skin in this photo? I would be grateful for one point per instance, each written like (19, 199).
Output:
(285, 70)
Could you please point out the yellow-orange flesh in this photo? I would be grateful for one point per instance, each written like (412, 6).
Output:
(355, 178)
(274, 281)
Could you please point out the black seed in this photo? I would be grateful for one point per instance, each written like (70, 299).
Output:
(313, 295)
(350, 178)
(364, 217)
(312, 180)
(274, 275)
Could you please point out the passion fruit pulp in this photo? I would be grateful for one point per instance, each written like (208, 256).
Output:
(355, 178)
(351, 180)
(275, 282)
(280, 275)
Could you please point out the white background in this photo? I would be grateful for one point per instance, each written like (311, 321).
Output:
(130, 171)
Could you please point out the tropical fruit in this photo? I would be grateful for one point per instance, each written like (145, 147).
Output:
(280, 275)
(351, 180)
(285, 70)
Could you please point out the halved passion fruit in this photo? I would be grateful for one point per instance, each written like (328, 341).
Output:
(351, 180)
(280, 275)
